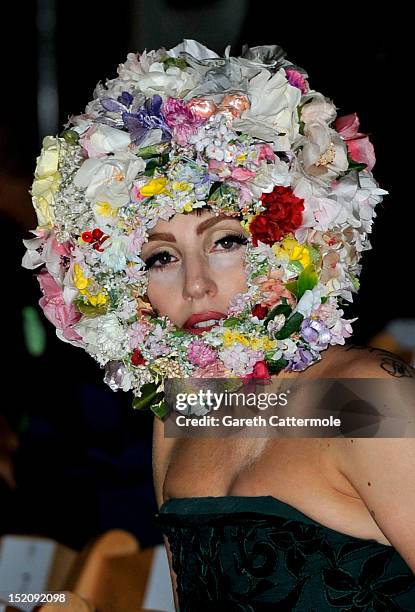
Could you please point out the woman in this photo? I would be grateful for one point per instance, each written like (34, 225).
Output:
(327, 494)
(205, 218)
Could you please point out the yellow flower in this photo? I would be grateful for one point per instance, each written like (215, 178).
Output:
(187, 207)
(153, 187)
(181, 186)
(79, 279)
(46, 181)
(241, 339)
(263, 344)
(97, 300)
(227, 337)
(241, 158)
(230, 337)
(293, 250)
(105, 209)
(81, 282)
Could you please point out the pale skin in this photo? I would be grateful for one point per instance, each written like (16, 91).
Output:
(364, 487)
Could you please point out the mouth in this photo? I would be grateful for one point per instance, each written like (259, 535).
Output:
(203, 321)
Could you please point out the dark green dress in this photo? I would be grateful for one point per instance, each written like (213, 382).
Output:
(253, 554)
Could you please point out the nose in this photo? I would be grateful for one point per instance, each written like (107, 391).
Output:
(198, 282)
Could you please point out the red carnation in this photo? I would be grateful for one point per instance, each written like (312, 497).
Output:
(283, 215)
(259, 311)
(137, 358)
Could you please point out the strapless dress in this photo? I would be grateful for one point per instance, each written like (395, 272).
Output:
(258, 553)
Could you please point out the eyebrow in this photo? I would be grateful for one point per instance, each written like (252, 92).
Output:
(200, 228)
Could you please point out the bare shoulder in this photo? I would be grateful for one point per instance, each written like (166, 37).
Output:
(356, 361)
(381, 471)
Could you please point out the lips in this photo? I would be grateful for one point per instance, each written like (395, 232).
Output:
(208, 315)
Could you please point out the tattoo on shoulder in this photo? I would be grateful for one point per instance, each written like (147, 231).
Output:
(389, 362)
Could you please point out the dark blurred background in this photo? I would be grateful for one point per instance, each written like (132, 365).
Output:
(81, 455)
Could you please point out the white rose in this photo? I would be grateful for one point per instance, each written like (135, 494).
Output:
(104, 336)
(115, 255)
(319, 109)
(268, 176)
(324, 153)
(108, 180)
(273, 111)
(103, 139)
(171, 82)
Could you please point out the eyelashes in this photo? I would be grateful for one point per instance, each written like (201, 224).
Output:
(164, 257)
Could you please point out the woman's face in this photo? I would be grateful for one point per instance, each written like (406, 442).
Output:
(195, 265)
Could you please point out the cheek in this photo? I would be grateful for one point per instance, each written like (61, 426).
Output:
(230, 272)
(164, 291)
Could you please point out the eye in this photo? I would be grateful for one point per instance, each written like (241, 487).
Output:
(231, 242)
(163, 258)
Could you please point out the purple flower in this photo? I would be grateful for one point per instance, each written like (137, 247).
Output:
(301, 360)
(137, 121)
(123, 104)
(117, 376)
(148, 117)
(316, 333)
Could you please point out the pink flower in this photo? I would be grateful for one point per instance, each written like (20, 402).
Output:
(359, 146)
(200, 354)
(214, 370)
(242, 174)
(181, 119)
(296, 79)
(273, 289)
(265, 152)
(137, 333)
(62, 315)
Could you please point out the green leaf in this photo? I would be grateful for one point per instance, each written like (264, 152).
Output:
(292, 287)
(354, 165)
(147, 152)
(296, 266)
(179, 62)
(276, 366)
(215, 187)
(277, 310)
(151, 167)
(231, 322)
(314, 253)
(160, 409)
(149, 394)
(306, 280)
(291, 326)
(71, 137)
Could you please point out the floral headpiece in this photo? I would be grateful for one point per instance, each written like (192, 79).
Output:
(182, 129)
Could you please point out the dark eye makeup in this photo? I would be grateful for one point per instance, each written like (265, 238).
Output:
(230, 242)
